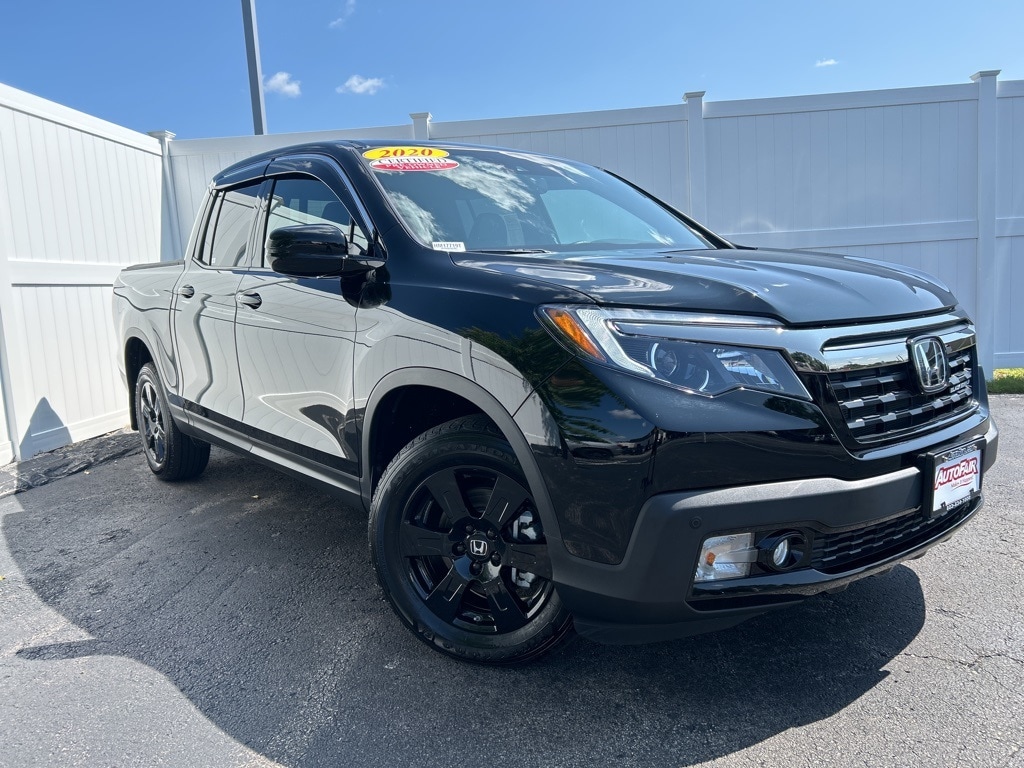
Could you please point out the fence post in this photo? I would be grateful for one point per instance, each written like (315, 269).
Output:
(420, 125)
(985, 261)
(9, 447)
(696, 156)
(17, 386)
(170, 228)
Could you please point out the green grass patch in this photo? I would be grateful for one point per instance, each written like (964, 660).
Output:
(1007, 381)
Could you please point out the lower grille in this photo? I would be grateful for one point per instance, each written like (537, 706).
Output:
(837, 552)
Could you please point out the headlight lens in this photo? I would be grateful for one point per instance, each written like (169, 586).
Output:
(653, 345)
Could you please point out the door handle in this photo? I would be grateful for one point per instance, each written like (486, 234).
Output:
(187, 291)
(252, 300)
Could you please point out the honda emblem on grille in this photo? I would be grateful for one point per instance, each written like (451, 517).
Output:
(928, 355)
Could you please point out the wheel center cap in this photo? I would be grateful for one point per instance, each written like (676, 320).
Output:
(478, 547)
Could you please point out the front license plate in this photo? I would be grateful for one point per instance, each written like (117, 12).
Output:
(956, 478)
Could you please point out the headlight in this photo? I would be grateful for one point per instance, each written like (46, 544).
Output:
(653, 344)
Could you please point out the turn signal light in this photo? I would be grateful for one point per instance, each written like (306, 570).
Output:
(575, 332)
(726, 557)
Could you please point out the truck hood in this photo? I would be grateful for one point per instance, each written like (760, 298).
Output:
(797, 287)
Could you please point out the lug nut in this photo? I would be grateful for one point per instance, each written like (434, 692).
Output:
(491, 534)
(495, 559)
(475, 569)
(459, 549)
(469, 528)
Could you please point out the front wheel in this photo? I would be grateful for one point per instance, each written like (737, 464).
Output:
(459, 549)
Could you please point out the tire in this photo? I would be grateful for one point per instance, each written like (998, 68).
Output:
(459, 550)
(170, 454)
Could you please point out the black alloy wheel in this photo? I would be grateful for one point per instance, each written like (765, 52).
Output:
(170, 454)
(151, 424)
(459, 547)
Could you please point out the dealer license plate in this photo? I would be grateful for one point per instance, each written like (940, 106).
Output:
(957, 478)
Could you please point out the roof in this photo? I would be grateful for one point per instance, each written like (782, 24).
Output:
(248, 168)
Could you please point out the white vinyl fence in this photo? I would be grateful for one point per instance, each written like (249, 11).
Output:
(79, 199)
(931, 178)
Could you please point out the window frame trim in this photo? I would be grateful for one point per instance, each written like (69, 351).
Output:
(324, 169)
(211, 212)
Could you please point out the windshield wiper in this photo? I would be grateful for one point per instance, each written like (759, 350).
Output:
(511, 250)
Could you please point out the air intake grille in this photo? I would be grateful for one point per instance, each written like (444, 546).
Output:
(883, 402)
(838, 552)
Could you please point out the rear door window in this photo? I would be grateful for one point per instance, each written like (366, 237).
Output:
(225, 245)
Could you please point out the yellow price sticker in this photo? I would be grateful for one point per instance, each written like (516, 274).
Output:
(382, 153)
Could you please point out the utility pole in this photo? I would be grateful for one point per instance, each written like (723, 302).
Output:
(252, 53)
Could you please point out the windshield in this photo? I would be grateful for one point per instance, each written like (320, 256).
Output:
(502, 200)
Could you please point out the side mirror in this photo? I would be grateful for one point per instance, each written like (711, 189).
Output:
(312, 250)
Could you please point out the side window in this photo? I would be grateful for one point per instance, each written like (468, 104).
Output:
(298, 201)
(227, 233)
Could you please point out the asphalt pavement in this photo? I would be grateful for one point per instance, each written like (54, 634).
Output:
(235, 621)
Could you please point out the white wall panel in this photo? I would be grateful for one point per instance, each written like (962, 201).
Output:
(6, 445)
(76, 197)
(1010, 196)
(77, 391)
(80, 198)
(1010, 226)
(837, 169)
(1010, 308)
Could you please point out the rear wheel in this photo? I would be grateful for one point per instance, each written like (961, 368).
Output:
(170, 454)
(459, 549)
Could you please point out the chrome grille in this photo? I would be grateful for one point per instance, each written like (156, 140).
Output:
(878, 399)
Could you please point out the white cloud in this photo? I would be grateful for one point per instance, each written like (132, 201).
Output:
(282, 83)
(364, 86)
(348, 10)
(625, 413)
(825, 63)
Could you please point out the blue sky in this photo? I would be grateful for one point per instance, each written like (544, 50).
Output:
(180, 66)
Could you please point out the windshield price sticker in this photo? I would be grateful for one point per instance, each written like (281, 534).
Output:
(957, 479)
(409, 159)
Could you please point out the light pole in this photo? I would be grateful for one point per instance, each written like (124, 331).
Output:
(252, 53)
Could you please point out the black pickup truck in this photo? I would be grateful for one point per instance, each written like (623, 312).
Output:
(562, 402)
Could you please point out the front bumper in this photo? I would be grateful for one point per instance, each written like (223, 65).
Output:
(650, 595)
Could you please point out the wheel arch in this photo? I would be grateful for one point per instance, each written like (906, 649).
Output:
(483, 402)
(136, 351)
(136, 354)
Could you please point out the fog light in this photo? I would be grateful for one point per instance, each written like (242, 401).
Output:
(784, 551)
(781, 553)
(726, 557)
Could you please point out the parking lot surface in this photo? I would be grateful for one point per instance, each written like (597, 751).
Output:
(235, 621)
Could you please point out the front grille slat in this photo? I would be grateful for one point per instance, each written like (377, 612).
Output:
(880, 403)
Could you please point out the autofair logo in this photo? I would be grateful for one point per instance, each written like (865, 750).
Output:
(957, 475)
